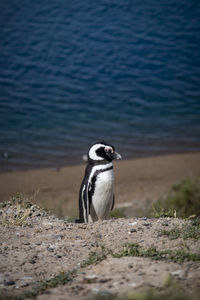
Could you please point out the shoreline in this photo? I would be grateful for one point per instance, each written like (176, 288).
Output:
(137, 181)
(10, 167)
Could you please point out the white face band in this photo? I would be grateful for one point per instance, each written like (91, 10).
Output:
(92, 152)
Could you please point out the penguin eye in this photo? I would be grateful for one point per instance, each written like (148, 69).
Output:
(108, 150)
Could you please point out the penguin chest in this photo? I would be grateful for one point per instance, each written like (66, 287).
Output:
(103, 194)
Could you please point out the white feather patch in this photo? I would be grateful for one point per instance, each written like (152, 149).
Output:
(103, 195)
(92, 153)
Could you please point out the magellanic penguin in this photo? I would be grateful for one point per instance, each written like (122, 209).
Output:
(96, 196)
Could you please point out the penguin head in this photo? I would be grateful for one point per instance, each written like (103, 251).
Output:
(102, 151)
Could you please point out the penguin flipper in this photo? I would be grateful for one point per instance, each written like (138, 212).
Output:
(113, 202)
(89, 198)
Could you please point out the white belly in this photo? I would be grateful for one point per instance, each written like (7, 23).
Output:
(102, 199)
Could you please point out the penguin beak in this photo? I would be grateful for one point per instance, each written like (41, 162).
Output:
(116, 155)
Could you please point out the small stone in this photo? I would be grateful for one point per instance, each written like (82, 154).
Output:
(133, 223)
(165, 223)
(104, 280)
(38, 243)
(26, 243)
(130, 266)
(146, 224)
(50, 249)
(32, 261)
(132, 230)
(178, 273)
(144, 218)
(141, 229)
(58, 237)
(9, 282)
(90, 278)
(24, 284)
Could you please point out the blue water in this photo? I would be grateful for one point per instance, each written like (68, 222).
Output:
(73, 72)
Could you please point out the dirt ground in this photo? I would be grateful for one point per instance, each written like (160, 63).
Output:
(44, 247)
(40, 252)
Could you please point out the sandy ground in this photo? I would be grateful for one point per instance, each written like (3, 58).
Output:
(138, 182)
(42, 246)
(45, 247)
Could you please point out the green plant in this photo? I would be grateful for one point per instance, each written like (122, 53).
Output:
(96, 257)
(176, 256)
(191, 229)
(182, 201)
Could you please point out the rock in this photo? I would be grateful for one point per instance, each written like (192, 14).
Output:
(90, 278)
(132, 230)
(32, 261)
(26, 243)
(130, 266)
(178, 273)
(9, 283)
(50, 249)
(104, 280)
(165, 223)
(146, 224)
(24, 284)
(38, 243)
(58, 237)
(141, 229)
(133, 223)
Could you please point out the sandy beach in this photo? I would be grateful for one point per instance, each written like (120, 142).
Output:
(138, 182)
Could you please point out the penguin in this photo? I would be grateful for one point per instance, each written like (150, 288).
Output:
(96, 196)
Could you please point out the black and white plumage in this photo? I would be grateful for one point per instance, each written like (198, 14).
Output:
(96, 196)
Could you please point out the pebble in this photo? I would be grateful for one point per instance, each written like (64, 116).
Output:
(58, 237)
(26, 243)
(130, 266)
(90, 278)
(24, 284)
(104, 280)
(178, 273)
(9, 282)
(133, 223)
(132, 230)
(141, 229)
(38, 243)
(32, 261)
(50, 249)
(165, 223)
(146, 224)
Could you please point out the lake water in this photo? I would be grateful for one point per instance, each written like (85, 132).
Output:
(75, 72)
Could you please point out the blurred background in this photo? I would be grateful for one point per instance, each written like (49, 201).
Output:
(74, 72)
